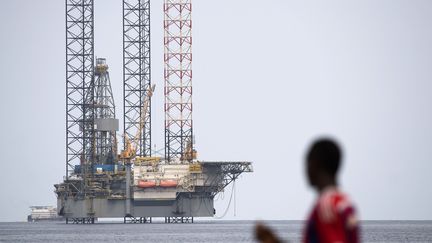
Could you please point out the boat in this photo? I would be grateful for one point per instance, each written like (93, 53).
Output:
(168, 183)
(146, 183)
(43, 213)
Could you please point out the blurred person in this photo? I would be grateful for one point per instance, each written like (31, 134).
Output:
(333, 217)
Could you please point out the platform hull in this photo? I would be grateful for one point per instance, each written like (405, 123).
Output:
(116, 208)
(117, 194)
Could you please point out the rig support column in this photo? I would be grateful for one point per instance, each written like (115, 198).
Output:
(79, 81)
(128, 189)
(178, 77)
(136, 71)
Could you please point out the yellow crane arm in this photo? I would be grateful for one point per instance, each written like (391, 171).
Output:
(143, 117)
(132, 144)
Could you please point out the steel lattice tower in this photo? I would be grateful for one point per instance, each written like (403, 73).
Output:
(79, 79)
(136, 70)
(178, 77)
(104, 114)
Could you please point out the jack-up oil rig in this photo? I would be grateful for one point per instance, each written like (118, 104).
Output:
(134, 183)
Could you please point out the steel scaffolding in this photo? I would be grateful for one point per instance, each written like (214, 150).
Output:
(178, 77)
(106, 123)
(79, 79)
(136, 70)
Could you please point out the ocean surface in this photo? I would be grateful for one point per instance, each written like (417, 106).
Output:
(200, 231)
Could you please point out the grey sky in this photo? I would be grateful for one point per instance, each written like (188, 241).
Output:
(269, 76)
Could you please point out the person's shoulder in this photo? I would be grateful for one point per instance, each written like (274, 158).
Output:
(332, 204)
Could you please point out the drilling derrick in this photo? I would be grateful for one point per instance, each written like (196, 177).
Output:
(178, 78)
(105, 122)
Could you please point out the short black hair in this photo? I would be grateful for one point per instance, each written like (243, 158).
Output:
(327, 155)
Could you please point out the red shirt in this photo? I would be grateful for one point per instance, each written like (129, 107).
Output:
(333, 219)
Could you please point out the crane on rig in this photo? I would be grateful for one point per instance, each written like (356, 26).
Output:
(129, 152)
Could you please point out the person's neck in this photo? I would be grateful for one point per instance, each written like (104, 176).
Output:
(326, 181)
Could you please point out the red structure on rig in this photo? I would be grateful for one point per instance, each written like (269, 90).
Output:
(178, 78)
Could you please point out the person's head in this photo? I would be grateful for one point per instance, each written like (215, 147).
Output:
(323, 161)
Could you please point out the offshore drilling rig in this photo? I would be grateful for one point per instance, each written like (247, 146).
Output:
(134, 184)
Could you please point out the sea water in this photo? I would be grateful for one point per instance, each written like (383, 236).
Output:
(200, 231)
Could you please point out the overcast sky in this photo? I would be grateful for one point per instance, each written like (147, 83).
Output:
(269, 77)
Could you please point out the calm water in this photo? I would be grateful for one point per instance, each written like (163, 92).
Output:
(201, 231)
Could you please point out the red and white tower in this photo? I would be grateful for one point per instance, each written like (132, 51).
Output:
(178, 78)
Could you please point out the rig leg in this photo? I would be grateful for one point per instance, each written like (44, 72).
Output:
(145, 220)
(130, 219)
(179, 220)
(136, 220)
(88, 220)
